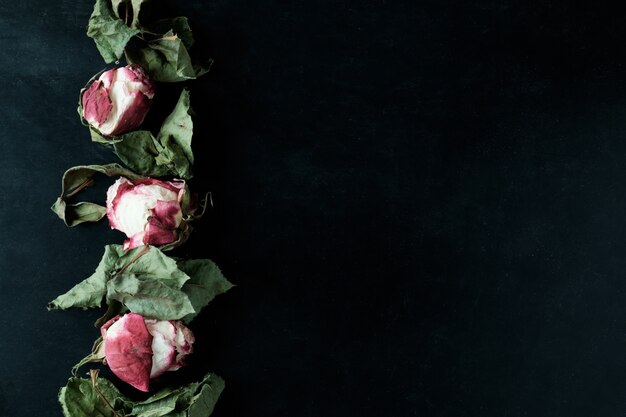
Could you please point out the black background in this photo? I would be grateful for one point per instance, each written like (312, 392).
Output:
(422, 204)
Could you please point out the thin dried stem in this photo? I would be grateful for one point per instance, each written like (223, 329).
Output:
(94, 383)
(145, 250)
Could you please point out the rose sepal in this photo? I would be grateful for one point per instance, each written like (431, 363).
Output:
(97, 355)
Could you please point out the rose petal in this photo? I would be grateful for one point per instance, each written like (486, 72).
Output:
(130, 115)
(124, 97)
(163, 350)
(105, 326)
(107, 77)
(136, 240)
(168, 213)
(137, 79)
(158, 234)
(171, 343)
(128, 350)
(114, 193)
(184, 344)
(96, 104)
(148, 211)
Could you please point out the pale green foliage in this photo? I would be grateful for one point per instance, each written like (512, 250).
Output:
(80, 398)
(109, 32)
(146, 281)
(74, 180)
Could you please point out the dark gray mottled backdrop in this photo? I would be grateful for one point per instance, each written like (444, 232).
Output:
(422, 204)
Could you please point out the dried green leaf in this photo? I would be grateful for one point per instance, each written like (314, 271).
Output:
(90, 292)
(139, 150)
(203, 404)
(179, 26)
(166, 59)
(175, 138)
(109, 32)
(153, 265)
(132, 21)
(136, 9)
(205, 283)
(142, 280)
(165, 407)
(197, 399)
(169, 153)
(152, 299)
(115, 8)
(76, 179)
(109, 140)
(83, 398)
(78, 213)
(203, 68)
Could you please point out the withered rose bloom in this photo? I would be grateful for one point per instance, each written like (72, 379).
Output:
(139, 349)
(118, 101)
(148, 211)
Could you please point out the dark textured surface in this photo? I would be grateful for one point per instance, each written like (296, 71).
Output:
(421, 203)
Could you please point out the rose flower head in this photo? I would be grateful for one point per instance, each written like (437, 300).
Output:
(118, 101)
(139, 349)
(148, 211)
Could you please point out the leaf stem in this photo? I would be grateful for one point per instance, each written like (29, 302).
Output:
(94, 384)
(145, 250)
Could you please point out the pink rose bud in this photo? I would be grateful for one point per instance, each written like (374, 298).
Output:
(138, 349)
(118, 101)
(148, 211)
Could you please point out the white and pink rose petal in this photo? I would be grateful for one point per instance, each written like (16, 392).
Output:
(148, 211)
(138, 349)
(128, 349)
(118, 101)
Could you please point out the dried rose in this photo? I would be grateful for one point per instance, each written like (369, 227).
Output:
(138, 349)
(118, 101)
(148, 211)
